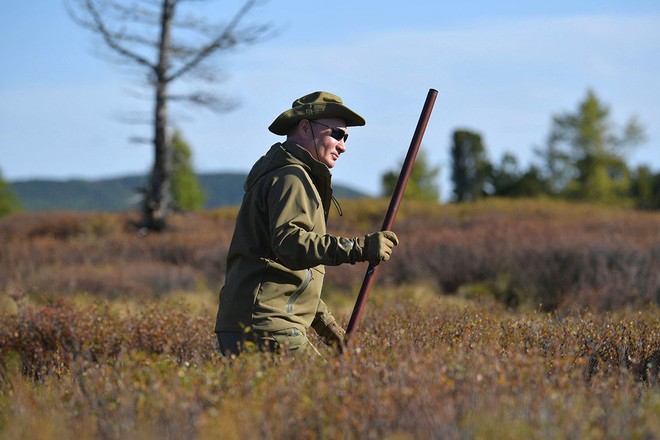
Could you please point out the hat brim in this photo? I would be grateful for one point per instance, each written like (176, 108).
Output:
(283, 123)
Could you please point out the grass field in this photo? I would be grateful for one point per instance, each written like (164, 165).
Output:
(498, 320)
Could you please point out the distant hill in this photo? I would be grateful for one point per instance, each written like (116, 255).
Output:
(121, 194)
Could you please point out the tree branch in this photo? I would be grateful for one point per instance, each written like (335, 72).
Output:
(208, 100)
(225, 39)
(113, 39)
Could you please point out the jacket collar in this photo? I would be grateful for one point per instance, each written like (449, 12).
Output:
(301, 153)
(318, 171)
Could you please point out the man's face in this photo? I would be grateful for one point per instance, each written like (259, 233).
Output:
(328, 147)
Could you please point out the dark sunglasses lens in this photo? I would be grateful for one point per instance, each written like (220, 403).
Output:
(338, 134)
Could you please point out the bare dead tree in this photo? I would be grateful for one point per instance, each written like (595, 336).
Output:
(166, 43)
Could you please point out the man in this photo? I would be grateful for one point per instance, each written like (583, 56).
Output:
(275, 264)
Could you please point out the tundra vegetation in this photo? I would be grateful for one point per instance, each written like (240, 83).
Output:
(494, 319)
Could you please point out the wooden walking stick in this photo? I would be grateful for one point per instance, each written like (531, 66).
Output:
(393, 209)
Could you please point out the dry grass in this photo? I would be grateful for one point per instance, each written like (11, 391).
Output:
(449, 369)
(495, 320)
(527, 254)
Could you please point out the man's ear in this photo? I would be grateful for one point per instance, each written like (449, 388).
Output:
(303, 127)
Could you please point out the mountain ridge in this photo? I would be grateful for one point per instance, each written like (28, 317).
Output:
(123, 193)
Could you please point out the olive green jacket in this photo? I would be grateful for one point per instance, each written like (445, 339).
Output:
(275, 264)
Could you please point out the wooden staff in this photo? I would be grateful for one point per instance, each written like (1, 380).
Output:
(356, 316)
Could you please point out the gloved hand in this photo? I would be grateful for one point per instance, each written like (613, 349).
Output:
(378, 246)
(333, 335)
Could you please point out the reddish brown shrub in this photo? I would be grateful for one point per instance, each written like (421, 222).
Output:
(50, 337)
(525, 253)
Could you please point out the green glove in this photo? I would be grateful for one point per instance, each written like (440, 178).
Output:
(333, 335)
(378, 246)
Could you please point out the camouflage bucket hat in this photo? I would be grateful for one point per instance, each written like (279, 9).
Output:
(317, 105)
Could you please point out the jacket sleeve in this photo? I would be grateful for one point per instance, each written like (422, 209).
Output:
(293, 205)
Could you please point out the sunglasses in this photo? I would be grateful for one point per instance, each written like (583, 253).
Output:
(335, 133)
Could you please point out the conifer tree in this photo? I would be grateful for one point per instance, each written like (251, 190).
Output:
(470, 167)
(173, 46)
(186, 192)
(9, 202)
(422, 183)
(585, 154)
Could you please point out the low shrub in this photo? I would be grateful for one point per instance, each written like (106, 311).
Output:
(444, 370)
(530, 254)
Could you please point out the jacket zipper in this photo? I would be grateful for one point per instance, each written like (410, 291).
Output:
(298, 292)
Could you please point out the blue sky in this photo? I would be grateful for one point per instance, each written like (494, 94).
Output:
(501, 68)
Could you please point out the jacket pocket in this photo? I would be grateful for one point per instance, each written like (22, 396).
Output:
(294, 296)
